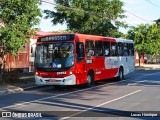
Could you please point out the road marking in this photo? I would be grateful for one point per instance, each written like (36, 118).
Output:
(20, 105)
(137, 78)
(148, 81)
(147, 75)
(137, 82)
(143, 81)
(132, 84)
(102, 104)
(23, 103)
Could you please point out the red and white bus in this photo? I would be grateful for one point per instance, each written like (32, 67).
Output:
(73, 59)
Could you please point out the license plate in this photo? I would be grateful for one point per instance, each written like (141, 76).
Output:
(52, 80)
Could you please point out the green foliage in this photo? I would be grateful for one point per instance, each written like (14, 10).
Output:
(89, 16)
(158, 22)
(146, 38)
(18, 17)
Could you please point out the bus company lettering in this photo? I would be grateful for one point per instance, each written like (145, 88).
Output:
(60, 73)
(107, 63)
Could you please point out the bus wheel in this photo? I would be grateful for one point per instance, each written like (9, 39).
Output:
(90, 80)
(120, 74)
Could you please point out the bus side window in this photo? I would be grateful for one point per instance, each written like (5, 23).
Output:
(131, 49)
(126, 49)
(89, 48)
(106, 46)
(79, 51)
(113, 49)
(120, 49)
(98, 48)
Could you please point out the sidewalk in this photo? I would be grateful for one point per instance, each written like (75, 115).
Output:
(147, 66)
(26, 81)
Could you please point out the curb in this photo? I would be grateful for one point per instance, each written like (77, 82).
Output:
(2, 92)
(31, 87)
(18, 89)
(8, 91)
(147, 68)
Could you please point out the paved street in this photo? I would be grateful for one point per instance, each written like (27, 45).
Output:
(136, 97)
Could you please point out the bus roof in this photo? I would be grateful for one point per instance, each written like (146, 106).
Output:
(124, 40)
(94, 37)
(90, 37)
(76, 34)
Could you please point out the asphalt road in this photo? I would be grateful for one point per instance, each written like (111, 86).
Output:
(136, 97)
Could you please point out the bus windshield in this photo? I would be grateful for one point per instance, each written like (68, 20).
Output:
(54, 55)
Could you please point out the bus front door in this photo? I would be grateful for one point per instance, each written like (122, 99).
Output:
(80, 64)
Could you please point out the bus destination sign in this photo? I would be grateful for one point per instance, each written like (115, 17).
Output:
(56, 38)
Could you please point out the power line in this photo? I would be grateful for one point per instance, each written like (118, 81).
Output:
(148, 21)
(153, 4)
(48, 2)
(71, 8)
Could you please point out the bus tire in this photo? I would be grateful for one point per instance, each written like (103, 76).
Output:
(120, 74)
(90, 79)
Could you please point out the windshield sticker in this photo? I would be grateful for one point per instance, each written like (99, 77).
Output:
(54, 65)
(59, 66)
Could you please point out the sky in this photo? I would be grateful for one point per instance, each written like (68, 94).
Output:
(137, 12)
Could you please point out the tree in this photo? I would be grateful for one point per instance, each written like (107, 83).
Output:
(157, 21)
(18, 16)
(146, 39)
(89, 16)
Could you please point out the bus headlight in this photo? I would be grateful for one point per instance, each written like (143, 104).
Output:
(70, 72)
(36, 73)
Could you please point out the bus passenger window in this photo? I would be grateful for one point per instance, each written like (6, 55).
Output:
(126, 49)
(79, 51)
(113, 49)
(120, 49)
(106, 46)
(98, 48)
(89, 48)
(131, 49)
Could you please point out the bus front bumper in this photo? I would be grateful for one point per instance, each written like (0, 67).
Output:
(69, 80)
